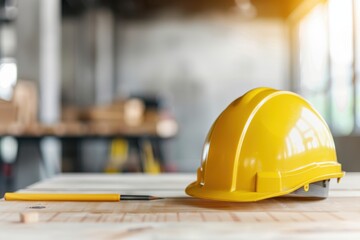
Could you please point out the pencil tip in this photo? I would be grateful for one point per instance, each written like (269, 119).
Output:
(154, 198)
(138, 197)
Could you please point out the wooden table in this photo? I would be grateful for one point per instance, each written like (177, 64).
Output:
(179, 216)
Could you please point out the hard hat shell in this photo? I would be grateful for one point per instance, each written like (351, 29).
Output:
(266, 143)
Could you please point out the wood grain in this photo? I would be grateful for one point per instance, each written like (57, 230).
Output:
(283, 216)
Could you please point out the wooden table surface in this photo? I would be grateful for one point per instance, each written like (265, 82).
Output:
(178, 216)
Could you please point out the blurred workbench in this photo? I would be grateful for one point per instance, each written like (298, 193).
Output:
(178, 216)
(154, 123)
(154, 127)
(142, 135)
(132, 125)
(136, 116)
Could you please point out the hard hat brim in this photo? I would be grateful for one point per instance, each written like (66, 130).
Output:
(198, 191)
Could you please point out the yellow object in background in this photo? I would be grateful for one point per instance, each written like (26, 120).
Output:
(151, 165)
(266, 143)
(119, 152)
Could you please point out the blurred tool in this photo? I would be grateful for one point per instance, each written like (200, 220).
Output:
(266, 143)
(118, 155)
(151, 165)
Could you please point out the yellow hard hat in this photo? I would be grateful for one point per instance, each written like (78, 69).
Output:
(266, 143)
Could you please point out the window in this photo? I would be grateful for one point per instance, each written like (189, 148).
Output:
(326, 52)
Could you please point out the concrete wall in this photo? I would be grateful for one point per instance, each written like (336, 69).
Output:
(27, 52)
(199, 65)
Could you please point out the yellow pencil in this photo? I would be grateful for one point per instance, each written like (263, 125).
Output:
(79, 197)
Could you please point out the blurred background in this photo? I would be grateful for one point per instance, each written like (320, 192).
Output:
(134, 85)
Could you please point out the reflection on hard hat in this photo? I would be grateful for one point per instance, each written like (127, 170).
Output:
(205, 151)
(308, 133)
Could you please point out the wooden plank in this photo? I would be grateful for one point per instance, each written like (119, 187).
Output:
(283, 216)
(188, 204)
(163, 185)
(113, 217)
(245, 217)
(182, 230)
(319, 210)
